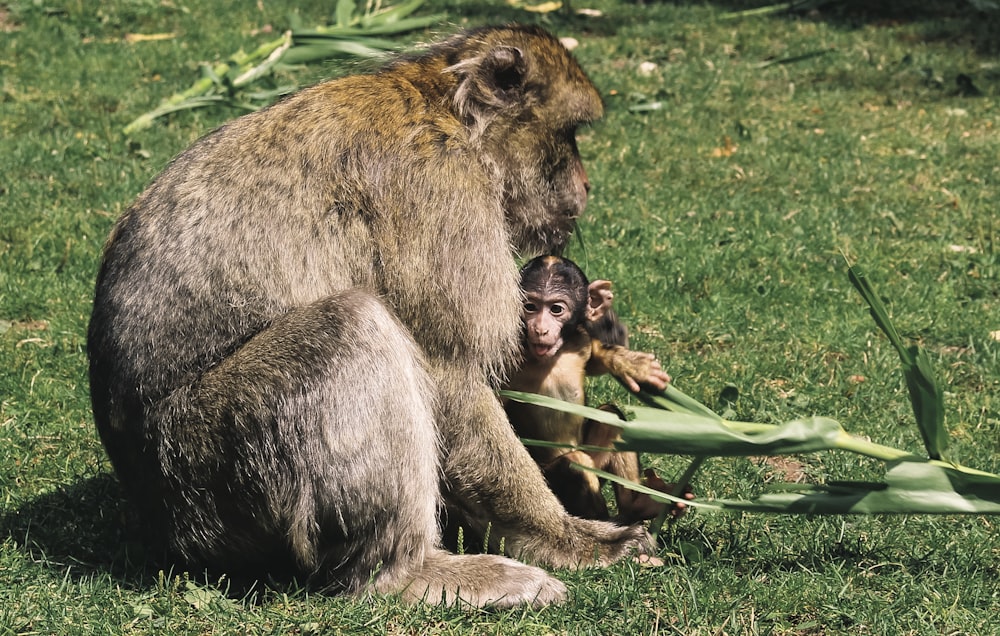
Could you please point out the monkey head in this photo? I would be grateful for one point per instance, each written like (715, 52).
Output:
(558, 301)
(524, 97)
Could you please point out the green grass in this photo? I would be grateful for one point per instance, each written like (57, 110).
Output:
(732, 268)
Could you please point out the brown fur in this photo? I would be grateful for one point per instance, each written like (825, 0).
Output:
(319, 297)
(560, 348)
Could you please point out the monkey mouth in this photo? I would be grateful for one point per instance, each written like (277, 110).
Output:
(542, 351)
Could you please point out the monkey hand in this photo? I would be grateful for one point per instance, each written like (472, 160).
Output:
(651, 479)
(635, 368)
(588, 543)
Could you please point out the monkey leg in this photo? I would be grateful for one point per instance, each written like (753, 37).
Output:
(493, 480)
(280, 452)
(477, 580)
(633, 507)
(578, 490)
(315, 443)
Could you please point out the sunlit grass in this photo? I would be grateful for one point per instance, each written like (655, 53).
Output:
(723, 218)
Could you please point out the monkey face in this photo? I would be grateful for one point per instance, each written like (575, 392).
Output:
(547, 189)
(546, 319)
(524, 97)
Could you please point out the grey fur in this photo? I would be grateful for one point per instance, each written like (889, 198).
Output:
(298, 326)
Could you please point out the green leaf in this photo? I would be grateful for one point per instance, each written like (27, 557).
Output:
(673, 399)
(926, 395)
(655, 430)
(345, 12)
(313, 52)
(598, 415)
(392, 14)
(656, 495)
(679, 433)
(910, 487)
(327, 39)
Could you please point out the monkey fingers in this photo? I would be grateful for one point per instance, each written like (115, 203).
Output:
(635, 368)
(657, 377)
(652, 480)
(479, 580)
(589, 542)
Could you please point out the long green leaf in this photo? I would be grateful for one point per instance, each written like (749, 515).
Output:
(590, 413)
(305, 53)
(389, 28)
(344, 12)
(316, 37)
(673, 399)
(392, 14)
(926, 395)
(909, 488)
(657, 495)
(656, 430)
(692, 435)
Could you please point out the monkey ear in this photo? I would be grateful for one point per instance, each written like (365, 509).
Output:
(502, 72)
(599, 299)
(489, 82)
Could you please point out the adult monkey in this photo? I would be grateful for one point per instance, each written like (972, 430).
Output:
(298, 326)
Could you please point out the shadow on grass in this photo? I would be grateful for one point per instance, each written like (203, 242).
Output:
(953, 22)
(80, 529)
(88, 528)
(957, 22)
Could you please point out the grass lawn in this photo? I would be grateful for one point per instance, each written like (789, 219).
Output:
(740, 162)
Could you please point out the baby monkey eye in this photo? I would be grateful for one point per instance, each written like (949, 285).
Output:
(530, 308)
(558, 309)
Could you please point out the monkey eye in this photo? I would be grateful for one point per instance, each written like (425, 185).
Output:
(530, 307)
(557, 309)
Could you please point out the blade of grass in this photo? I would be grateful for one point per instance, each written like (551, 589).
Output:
(527, 441)
(391, 14)
(678, 493)
(782, 7)
(794, 58)
(254, 73)
(304, 52)
(673, 399)
(345, 12)
(390, 28)
(146, 119)
(909, 487)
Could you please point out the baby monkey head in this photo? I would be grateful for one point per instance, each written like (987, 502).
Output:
(558, 303)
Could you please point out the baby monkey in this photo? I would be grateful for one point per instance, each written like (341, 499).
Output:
(570, 332)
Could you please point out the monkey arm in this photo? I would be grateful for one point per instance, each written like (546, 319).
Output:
(492, 479)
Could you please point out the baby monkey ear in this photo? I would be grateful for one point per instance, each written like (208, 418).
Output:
(599, 299)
